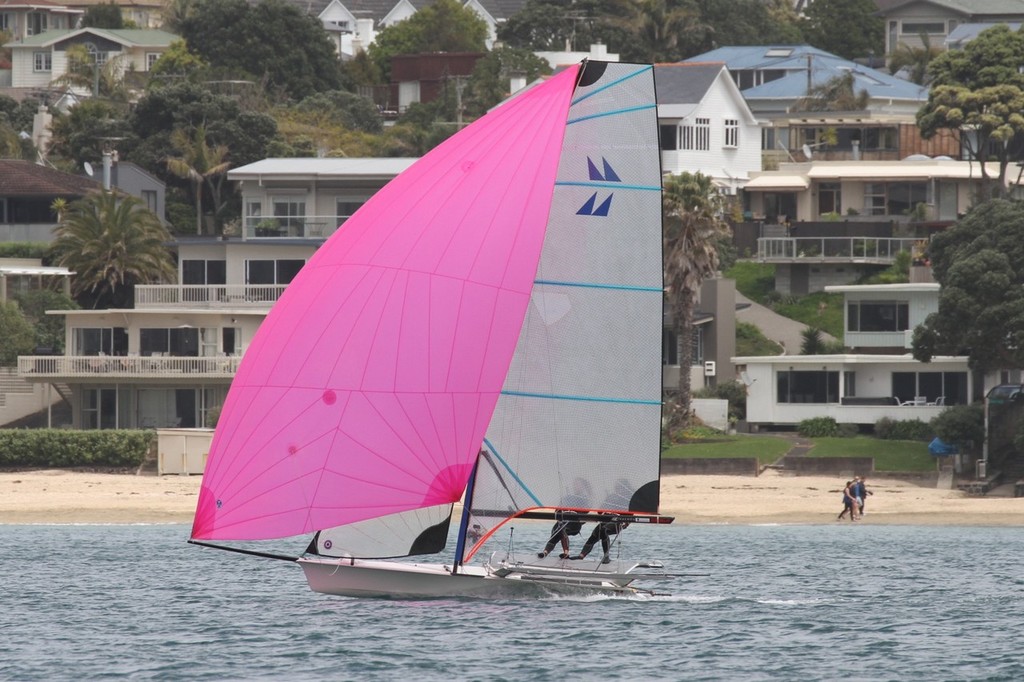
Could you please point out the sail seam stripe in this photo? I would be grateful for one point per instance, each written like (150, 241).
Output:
(522, 484)
(605, 185)
(622, 287)
(583, 398)
(615, 112)
(612, 84)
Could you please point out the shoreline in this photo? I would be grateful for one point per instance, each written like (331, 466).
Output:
(57, 496)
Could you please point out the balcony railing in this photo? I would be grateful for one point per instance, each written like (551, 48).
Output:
(207, 295)
(63, 367)
(294, 227)
(839, 249)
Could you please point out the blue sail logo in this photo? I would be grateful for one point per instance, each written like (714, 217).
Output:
(591, 207)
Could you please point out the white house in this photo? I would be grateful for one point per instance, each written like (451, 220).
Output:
(706, 125)
(39, 60)
(881, 380)
(25, 19)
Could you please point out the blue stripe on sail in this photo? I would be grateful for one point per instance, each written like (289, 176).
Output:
(614, 112)
(494, 451)
(624, 287)
(581, 398)
(605, 185)
(612, 84)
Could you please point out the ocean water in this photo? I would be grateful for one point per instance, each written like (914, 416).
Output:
(824, 602)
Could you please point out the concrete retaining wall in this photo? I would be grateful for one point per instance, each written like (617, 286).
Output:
(726, 466)
(829, 466)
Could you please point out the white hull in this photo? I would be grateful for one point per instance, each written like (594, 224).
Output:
(374, 578)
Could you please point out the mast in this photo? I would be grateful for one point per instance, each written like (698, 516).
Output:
(460, 543)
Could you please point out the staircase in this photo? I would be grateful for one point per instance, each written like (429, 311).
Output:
(23, 403)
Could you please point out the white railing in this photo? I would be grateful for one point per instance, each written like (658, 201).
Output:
(874, 249)
(207, 295)
(33, 367)
(294, 227)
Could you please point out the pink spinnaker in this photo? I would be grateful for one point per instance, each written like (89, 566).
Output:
(369, 387)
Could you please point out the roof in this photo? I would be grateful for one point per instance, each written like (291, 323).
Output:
(793, 177)
(25, 179)
(925, 287)
(968, 8)
(38, 5)
(129, 37)
(778, 183)
(330, 167)
(34, 271)
(685, 82)
(965, 33)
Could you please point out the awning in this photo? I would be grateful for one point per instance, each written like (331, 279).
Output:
(778, 183)
(901, 170)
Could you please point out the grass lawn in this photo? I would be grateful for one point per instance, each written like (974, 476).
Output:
(890, 455)
(767, 449)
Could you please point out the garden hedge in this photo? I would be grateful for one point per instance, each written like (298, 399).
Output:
(65, 448)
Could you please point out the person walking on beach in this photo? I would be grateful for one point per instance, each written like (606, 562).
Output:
(862, 494)
(848, 502)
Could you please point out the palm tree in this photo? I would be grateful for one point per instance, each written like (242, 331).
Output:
(693, 209)
(835, 94)
(112, 242)
(657, 26)
(199, 163)
(914, 59)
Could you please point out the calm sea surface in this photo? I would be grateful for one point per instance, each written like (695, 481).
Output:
(843, 601)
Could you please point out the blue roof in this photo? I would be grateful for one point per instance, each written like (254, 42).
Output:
(825, 66)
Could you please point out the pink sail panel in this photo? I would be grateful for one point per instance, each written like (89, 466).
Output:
(369, 387)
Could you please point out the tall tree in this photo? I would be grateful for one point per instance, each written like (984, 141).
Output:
(103, 15)
(443, 26)
(979, 262)
(270, 38)
(16, 334)
(978, 94)
(111, 243)
(693, 209)
(849, 28)
(657, 28)
(199, 163)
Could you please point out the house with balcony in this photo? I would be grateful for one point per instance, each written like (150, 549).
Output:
(828, 222)
(706, 125)
(877, 378)
(25, 19)
(775, 81)
(169, 360)
(138, 13)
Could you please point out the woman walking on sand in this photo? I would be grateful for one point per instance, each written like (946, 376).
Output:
(848, 502)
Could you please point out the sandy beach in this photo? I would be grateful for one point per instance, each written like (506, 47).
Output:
(57, 496)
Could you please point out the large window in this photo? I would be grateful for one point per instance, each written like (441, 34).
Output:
(807, 386)
(669, 135)
(950, 386)
(42, 61)
(36, 23)
(204, 272)
(703, 131)
(686, 137)
(272, 271)
(290, 214)
(345, 208)
(99, 341)
(914, 28)
(732, 132)
(877, 316)
(99, 408)
(894, 198)
(829, 198)
(177, 341)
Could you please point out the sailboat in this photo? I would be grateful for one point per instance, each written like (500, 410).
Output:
(485, 329)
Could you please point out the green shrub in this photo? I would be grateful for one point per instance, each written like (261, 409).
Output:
(910, 429)
(62, 448)
(819, 427)
(733, 391)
